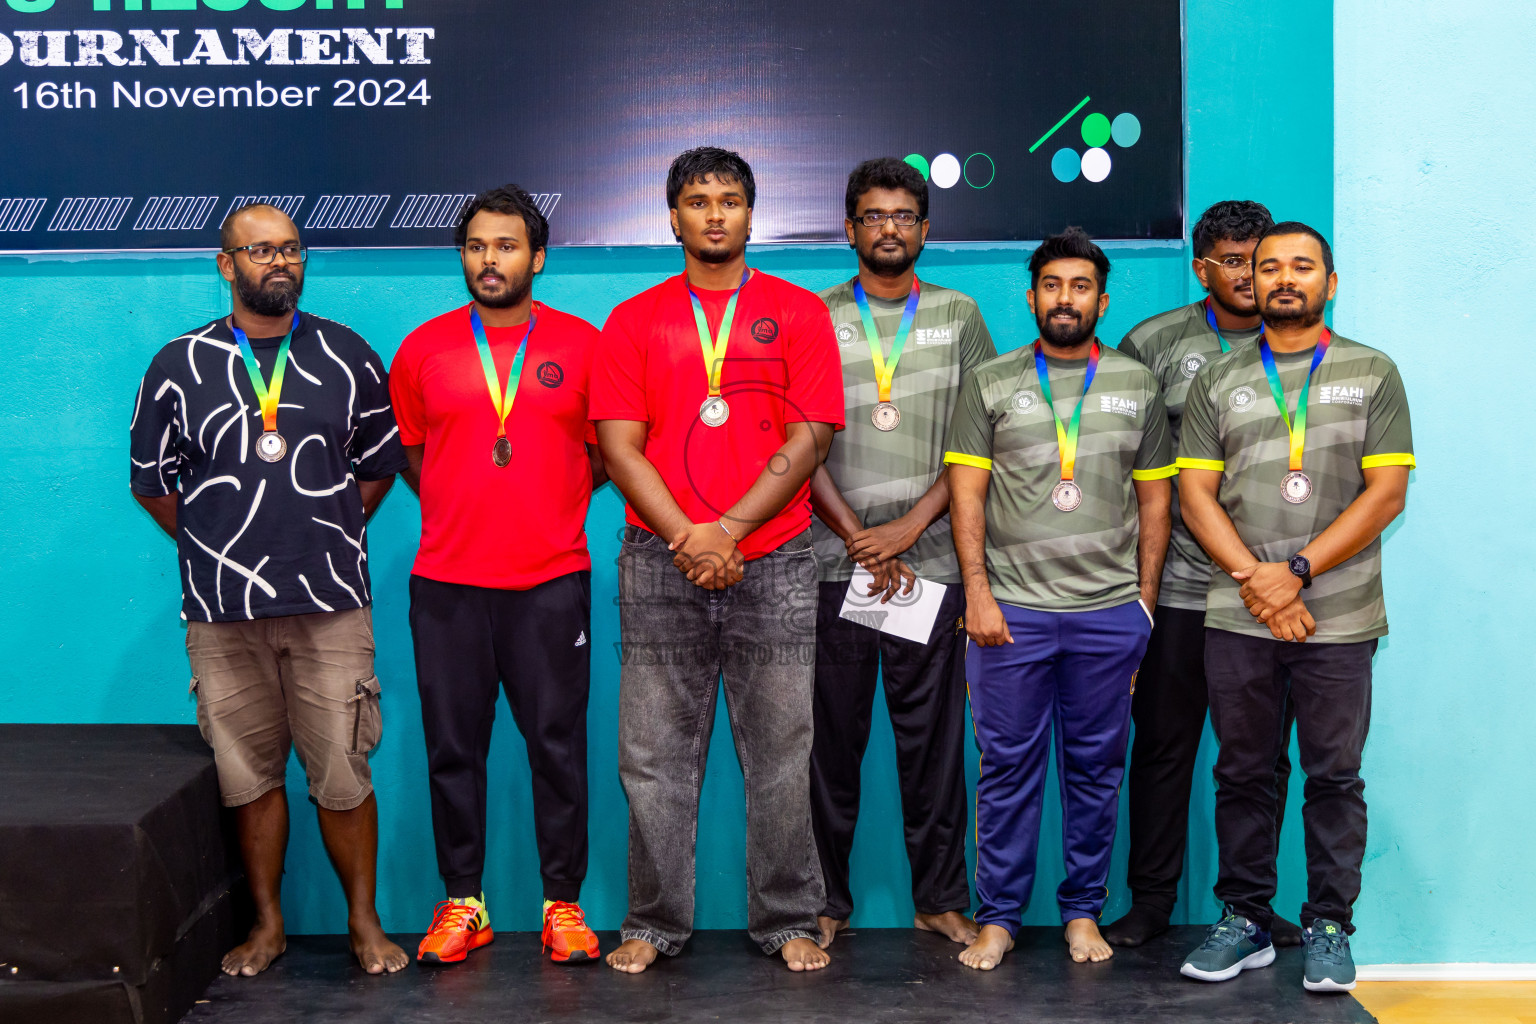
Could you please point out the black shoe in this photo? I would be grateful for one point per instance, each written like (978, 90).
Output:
(1139, 924)
(1283, 933)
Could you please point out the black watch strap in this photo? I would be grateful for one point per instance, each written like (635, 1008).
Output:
(1301, 568)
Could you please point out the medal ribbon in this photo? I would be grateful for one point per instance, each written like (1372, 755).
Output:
(1066, 436)
(266, 397)
(885, 371)
(501, 400)
(714, 350)
(1298, 430)
(1210, 318)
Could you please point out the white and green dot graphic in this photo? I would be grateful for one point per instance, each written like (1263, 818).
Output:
(947, 170)
(1097, 132)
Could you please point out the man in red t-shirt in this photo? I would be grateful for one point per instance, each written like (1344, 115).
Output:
(492, 405)
(716, 394)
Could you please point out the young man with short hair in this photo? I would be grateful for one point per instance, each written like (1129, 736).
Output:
(715, 396)
(492, 403)
(1294, 459)
(882, 502)
(1059, 463)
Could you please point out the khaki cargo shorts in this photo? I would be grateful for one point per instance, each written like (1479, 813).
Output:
(300, 681)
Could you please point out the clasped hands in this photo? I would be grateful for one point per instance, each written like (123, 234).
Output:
(1272, 595)
(708, 556)
(877, 549)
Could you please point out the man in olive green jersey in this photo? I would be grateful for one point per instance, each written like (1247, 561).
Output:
(1294, 458)
(882, 501)
(1170, 703)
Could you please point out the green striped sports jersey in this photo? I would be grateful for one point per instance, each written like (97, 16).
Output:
(882, 474)
(1038, 556)
(1174, 346)
(1357, 418)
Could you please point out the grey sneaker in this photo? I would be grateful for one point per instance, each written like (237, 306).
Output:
(1233, 945)
(1330, 968)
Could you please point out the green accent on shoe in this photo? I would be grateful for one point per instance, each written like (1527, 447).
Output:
(1233, 945)
(1330, 968)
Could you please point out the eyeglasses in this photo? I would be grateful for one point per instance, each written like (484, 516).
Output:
(267, 253)
(1235, 267)
(902, 219)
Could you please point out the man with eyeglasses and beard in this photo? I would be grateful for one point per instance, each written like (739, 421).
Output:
(1294, 458)
(262, 442)
(492, 404)
(1059, 463)
(1170, 703)
(882, 502)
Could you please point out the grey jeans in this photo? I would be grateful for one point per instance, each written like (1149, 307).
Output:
(678, 641)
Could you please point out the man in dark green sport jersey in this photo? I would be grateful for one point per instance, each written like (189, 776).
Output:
(882, 501)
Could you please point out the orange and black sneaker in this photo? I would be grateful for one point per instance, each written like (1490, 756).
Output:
(566, 934)
(458, 926)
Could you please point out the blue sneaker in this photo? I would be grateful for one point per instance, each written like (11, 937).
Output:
(1233, 945)
(1330, 968)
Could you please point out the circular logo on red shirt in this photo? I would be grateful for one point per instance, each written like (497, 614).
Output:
(765, 329)
(550, 374)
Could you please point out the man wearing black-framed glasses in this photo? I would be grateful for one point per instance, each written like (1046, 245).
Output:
(1170, 702)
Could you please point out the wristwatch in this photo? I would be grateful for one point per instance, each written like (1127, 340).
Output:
(1301, 569)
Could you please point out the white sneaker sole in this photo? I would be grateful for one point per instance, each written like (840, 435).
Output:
(1326, 985)
(1258, 958)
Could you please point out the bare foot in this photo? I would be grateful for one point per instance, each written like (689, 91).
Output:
(829, 927)
(264, 944)
(804, 955)
(987, 951)
(373, 949)
(953, 925)
(1085, 942)
(632, 956)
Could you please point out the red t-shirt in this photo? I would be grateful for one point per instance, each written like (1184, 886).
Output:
(782, 366)
(510, 527)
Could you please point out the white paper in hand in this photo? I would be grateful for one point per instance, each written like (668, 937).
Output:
(909, 616)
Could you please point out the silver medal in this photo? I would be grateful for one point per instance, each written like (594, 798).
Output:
(886, 416)
(1296, 487)
(714, 412)
(271, 447)
(1066, 495)
(501, 452)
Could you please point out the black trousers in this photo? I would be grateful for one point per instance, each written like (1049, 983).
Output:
(1169, 712)
(469, 642)
(925, 694)
(1330, 686)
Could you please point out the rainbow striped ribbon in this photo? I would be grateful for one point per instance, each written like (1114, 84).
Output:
(1066, 436)
(266, 397)
(1210, 318)
(714, 351)
(502, 400)
(1298, 430)
(885, 370)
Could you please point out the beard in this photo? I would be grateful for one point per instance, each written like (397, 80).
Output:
(1067, 334)
(1304, 316)
(513, 290)
(1249, 309)
(889, 264)
(276, 294)
(706, 251)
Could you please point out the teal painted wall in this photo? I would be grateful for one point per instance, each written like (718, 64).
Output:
(88, 613)
(1434, 117)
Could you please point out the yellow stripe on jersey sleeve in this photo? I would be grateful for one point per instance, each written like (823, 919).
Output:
(962, 459)
(1157, 473)
(1214, 465)
(1389, 459)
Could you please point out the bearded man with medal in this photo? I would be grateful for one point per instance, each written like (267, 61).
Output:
(1294, 458)
(1059, 465)
(262, 442)
(906, 344)
(492, 402)
(716, 394)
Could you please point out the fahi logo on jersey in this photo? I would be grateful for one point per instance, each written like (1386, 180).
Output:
(933, 335)
(1242, 399)
(1119, 406)
(1190, 364)
(1340, 394)
(1022, 401)
(847, 334)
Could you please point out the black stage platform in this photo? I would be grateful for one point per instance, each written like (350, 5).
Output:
(884, 975)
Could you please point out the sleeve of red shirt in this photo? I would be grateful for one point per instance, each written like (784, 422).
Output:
(618, 371)
(815, 367)
(405, 393)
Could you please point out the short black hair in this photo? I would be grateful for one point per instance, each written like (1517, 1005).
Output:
(1296, 227)
(512, 199)
(227, 226)
(1235, 219)
(1071, 244)
(885, 172)
(705, 162)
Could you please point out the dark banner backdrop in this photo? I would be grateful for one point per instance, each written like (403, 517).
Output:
(136, 124)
